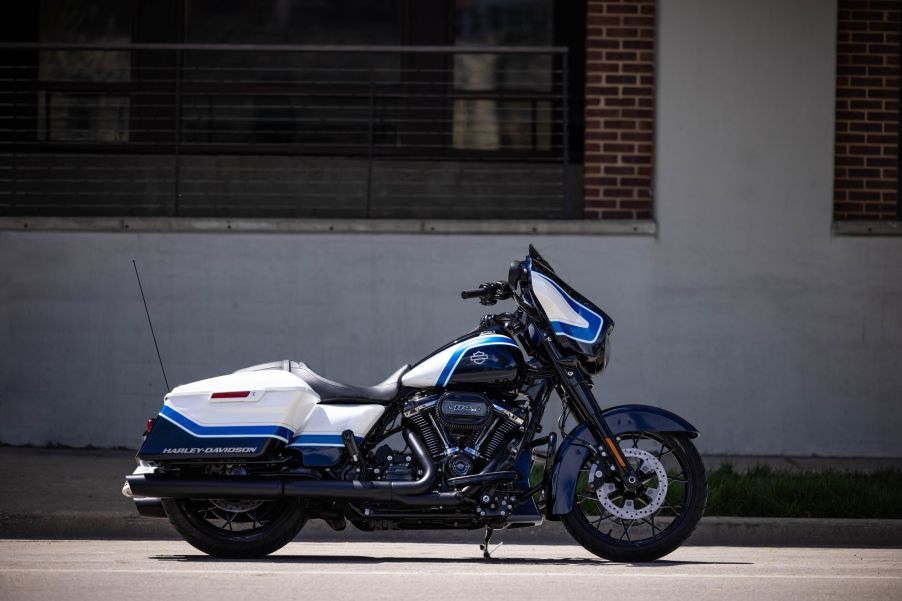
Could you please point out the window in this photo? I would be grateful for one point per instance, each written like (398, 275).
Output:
(354, 130)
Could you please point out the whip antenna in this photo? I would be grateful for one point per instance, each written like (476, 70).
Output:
(150, 323)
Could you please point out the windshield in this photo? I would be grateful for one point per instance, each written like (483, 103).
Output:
(578, 325)
(539, 259)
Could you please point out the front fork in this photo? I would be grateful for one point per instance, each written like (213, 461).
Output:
(582, 403)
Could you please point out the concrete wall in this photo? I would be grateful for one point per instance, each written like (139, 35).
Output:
(743, 314)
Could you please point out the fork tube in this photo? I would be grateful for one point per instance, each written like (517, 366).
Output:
(582, 403)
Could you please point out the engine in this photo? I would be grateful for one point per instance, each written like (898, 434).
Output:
(463, 430)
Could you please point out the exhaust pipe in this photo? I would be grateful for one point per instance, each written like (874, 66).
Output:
(408, 493)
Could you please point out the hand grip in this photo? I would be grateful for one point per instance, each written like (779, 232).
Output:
(473, 293)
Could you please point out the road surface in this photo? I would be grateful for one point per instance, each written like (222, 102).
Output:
(168, 570)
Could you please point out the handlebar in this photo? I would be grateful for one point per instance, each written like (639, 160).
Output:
(473, 293)
(489, 293)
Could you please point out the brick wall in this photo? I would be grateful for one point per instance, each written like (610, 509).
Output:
(867, 111)
(620, 111)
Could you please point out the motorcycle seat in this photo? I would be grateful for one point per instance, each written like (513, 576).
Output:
(331, 392)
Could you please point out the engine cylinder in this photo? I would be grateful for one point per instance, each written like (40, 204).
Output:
(467, 422)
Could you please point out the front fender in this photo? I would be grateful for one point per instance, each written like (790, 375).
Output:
(620, 419)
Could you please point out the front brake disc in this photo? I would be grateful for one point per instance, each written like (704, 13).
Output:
(650, 467)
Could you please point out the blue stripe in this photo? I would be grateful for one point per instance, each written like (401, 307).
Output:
(321, 440)
(587, 334)
(464, 347)
(195, 429)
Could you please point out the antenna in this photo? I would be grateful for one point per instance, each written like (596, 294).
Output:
(150, 323)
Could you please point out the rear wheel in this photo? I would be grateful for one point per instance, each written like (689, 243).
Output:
(647, 523)
(236, 528)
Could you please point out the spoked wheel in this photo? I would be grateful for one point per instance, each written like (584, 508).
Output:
(236, 528)
(650, 520)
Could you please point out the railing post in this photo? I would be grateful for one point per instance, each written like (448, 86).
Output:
(15, 119)
(177, 135)
(565, 124)
(369, 160)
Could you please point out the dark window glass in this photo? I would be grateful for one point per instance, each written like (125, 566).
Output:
(65, 113)
(497, 123)
(287, 98)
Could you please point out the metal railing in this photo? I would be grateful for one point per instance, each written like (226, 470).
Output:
(283, 131)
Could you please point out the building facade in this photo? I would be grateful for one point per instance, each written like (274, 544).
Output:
(721, 177)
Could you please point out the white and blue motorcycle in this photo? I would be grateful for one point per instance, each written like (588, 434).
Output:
(240, 462)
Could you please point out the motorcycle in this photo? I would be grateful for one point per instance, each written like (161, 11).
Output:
(239, 463)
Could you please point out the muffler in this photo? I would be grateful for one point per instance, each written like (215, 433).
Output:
(276, 487)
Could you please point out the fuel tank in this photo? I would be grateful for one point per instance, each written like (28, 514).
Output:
(479, 361)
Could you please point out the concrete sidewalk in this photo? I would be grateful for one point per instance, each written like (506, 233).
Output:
(62, 493)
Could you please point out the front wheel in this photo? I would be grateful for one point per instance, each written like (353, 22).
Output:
(236, 528)
(651, 521)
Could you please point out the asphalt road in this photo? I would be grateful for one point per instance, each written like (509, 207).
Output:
(75, 570)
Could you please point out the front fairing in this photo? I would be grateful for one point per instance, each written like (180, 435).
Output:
(579, 327)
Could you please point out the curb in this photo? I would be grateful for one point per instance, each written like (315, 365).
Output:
(712, 531)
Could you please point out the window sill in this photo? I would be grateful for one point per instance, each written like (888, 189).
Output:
(574, 227)
(867, 228)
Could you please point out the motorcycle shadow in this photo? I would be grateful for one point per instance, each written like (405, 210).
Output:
(365, 559)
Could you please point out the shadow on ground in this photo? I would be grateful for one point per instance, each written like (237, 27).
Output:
(361, 559)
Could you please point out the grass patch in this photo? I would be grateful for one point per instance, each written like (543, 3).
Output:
(764, 492)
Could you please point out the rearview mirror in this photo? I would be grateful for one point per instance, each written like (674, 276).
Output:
(515, 274)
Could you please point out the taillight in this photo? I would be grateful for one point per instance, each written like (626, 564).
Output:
(240, 394)
(150, 422)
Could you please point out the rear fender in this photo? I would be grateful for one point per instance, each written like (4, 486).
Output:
(621, 419)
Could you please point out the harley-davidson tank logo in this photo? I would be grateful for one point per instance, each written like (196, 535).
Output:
(478, 358)
(197, 450)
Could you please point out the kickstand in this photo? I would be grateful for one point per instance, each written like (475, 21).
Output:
(484, 547)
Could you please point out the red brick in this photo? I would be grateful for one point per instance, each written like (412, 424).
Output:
(603, 43)
(619, 124)
(643, 21)
(620, 101)
(631, 136)
(620, 56)
(603, 21)
(866, 171)
(621, 8)
(620, 148)
(638, 68)
(618, 170)
(635, 204)
(618, 215)
(620, 108)
(601, 204)
(601, 181)
(621, 79)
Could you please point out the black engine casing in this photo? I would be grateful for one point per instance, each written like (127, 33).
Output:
(464, 409)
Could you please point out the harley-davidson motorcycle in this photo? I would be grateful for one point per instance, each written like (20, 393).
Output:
(239, 463)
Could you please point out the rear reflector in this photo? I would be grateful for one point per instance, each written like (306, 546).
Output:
(231, 395)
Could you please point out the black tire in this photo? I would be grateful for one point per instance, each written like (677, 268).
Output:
(284, 519)
(695, 494)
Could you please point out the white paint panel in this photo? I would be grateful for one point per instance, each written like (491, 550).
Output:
(335, 419)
